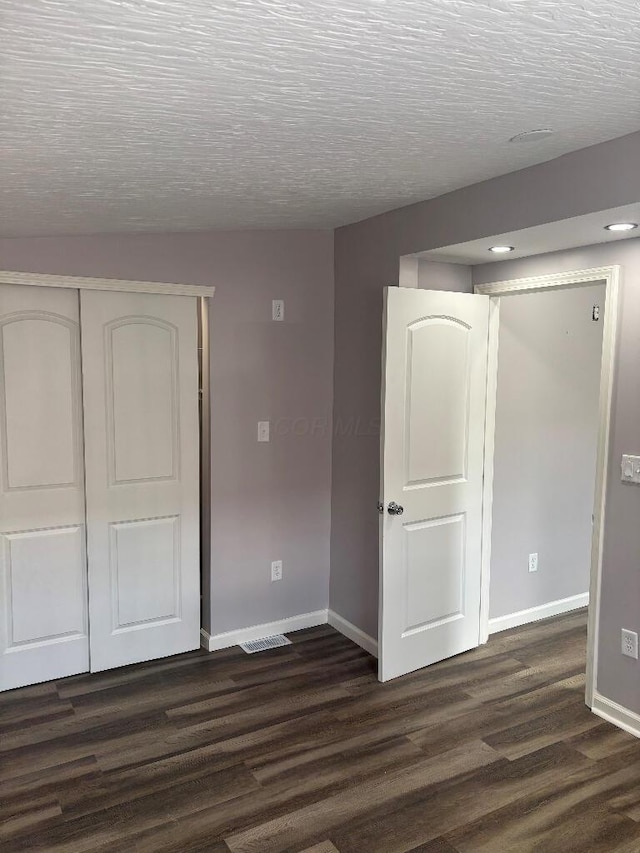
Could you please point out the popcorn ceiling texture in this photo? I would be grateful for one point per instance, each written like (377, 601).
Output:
(133, 115)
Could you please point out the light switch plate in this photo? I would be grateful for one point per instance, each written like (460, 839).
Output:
(277, 309)
(263, 430)
(631, 469)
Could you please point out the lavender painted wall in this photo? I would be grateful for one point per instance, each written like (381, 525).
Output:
(366, 259)
(435, 275)
(269, 501)
(617, 676)
(546, 442)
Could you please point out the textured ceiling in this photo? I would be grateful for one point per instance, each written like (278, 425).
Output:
(120, 115)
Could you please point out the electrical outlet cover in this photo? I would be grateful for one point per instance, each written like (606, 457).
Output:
(629, 643)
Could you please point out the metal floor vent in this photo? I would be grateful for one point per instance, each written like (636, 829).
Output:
(265, 643)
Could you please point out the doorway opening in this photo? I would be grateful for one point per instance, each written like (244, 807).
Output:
(570, 373)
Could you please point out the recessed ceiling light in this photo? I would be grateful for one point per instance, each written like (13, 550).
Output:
(533, 135)
(621, 226)
(499, 250)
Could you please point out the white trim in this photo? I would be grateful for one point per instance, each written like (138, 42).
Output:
(534, 614)
(204, 357)
(365, 641)
(214, 642)
(611, 277)
(267, 629)
(489, 447)
(83, 283)
(609, 343)
(621, 717)
(541, 282)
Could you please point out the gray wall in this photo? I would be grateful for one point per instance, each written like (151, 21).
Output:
(269, 501)
(435, 275)
(617, 677)
(367, 253)
(546, 442)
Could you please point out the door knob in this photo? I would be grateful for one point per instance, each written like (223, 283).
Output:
(395, 509)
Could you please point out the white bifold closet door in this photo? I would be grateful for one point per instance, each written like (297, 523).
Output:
(43, 592)
(140, 391)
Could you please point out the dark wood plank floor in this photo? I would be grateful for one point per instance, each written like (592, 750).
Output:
(301, 749)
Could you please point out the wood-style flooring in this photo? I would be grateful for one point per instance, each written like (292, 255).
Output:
(301, 749)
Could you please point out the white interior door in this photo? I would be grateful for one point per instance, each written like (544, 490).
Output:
(434, 390)
(140, 390)
(43, 622)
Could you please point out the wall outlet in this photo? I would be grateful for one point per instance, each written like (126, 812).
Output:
(263, 430)
(630, 469)
(629, 643)
(533, 562)
(277, 309)
(276, 570)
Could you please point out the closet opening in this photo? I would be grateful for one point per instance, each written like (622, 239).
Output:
(104, 473)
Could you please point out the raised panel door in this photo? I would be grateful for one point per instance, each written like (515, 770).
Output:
(434, 394)
(140, 375)
(43, 578)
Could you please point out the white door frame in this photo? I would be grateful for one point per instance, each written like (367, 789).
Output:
(611, 277)
(76, 282)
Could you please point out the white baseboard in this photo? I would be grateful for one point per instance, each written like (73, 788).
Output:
(534, 614)
(616, 714)
(213, 642)
(267, 629)
(349, 630)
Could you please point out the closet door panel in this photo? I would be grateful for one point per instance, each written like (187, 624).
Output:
(143, 362)
(43, 624)
(140, 374)
(39, 368)
(45, 570)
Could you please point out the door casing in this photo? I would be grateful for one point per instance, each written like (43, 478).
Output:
(611, 276)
